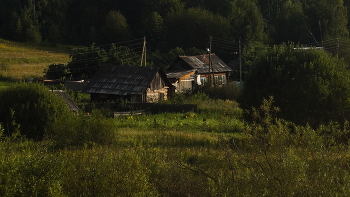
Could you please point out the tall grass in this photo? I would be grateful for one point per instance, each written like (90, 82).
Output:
(170, 163)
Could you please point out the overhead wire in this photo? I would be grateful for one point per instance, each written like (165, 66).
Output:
(79, 48)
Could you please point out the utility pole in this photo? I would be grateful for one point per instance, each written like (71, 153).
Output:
(210, 71)
(143, 56)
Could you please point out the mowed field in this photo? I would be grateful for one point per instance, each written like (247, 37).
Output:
(23, 60)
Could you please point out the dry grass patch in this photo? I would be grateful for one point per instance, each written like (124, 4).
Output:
(21, 60)
(22, 71)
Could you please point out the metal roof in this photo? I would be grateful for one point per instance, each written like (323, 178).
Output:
(201, 63)
(179, 74)
(121, 80)
(65, 96)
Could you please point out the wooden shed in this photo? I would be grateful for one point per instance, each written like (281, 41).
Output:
(134, 83)
(184, 65)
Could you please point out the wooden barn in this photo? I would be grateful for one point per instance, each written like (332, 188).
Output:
(134, 83)
(196, 69)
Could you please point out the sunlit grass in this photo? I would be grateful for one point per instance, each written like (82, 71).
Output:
(23, 60)
(23, 71)
(192, 122)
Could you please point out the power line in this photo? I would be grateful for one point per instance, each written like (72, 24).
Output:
(80, 48)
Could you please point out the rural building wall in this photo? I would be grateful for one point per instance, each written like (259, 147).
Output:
(156, 95)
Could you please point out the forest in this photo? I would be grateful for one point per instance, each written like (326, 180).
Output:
(179, 24)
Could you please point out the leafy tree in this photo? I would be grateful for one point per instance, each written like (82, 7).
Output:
(308, 85)
(271, 10)
(33, 35)
(116, 28)
(163, 7)
(194, 51)
(122, 56)
(250, 54)
(54, 36)
(85, 61)
(221, 7)
(154, 28)
(52, 19)
(168, 6)
(192, 27)
(56, 71)
(18, 32)
(291, 24)
(30, 109)
(175, 52)
(327, 19)
(247, 21)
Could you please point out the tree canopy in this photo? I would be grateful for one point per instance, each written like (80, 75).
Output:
(169, 21)
(309, 85)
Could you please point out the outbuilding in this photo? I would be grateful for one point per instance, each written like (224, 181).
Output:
(134, 83)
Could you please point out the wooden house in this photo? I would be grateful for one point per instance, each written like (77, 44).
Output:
(198, 69)
(134, 83)
(182, 80)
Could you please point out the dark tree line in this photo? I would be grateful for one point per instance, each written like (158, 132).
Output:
(168, 24)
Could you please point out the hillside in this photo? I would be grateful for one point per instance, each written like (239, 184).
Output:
(23, 60)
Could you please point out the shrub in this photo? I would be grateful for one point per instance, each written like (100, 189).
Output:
(83, 130)
(30, 108)
(230, 91)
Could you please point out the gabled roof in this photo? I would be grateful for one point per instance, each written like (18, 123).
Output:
(200, 63)
(122, 80)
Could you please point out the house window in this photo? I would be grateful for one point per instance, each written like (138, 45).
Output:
(223, 79)
(216, 80)
(203, 80)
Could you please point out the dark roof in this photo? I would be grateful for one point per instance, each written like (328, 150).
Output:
(201, 63)
(122, 80)
(65, 96)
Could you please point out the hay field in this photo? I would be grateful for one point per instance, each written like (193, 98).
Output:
(23, 60)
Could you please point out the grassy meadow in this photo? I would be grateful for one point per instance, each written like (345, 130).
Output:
(163, 160)
(210, 152)
(23, 60)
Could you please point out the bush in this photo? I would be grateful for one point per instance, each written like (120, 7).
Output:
(30, 109)
(83, 130)
(230, 91)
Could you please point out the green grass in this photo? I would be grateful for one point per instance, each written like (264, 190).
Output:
(182, 122)
(24, 60)
(172, 163)
(5, 84)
